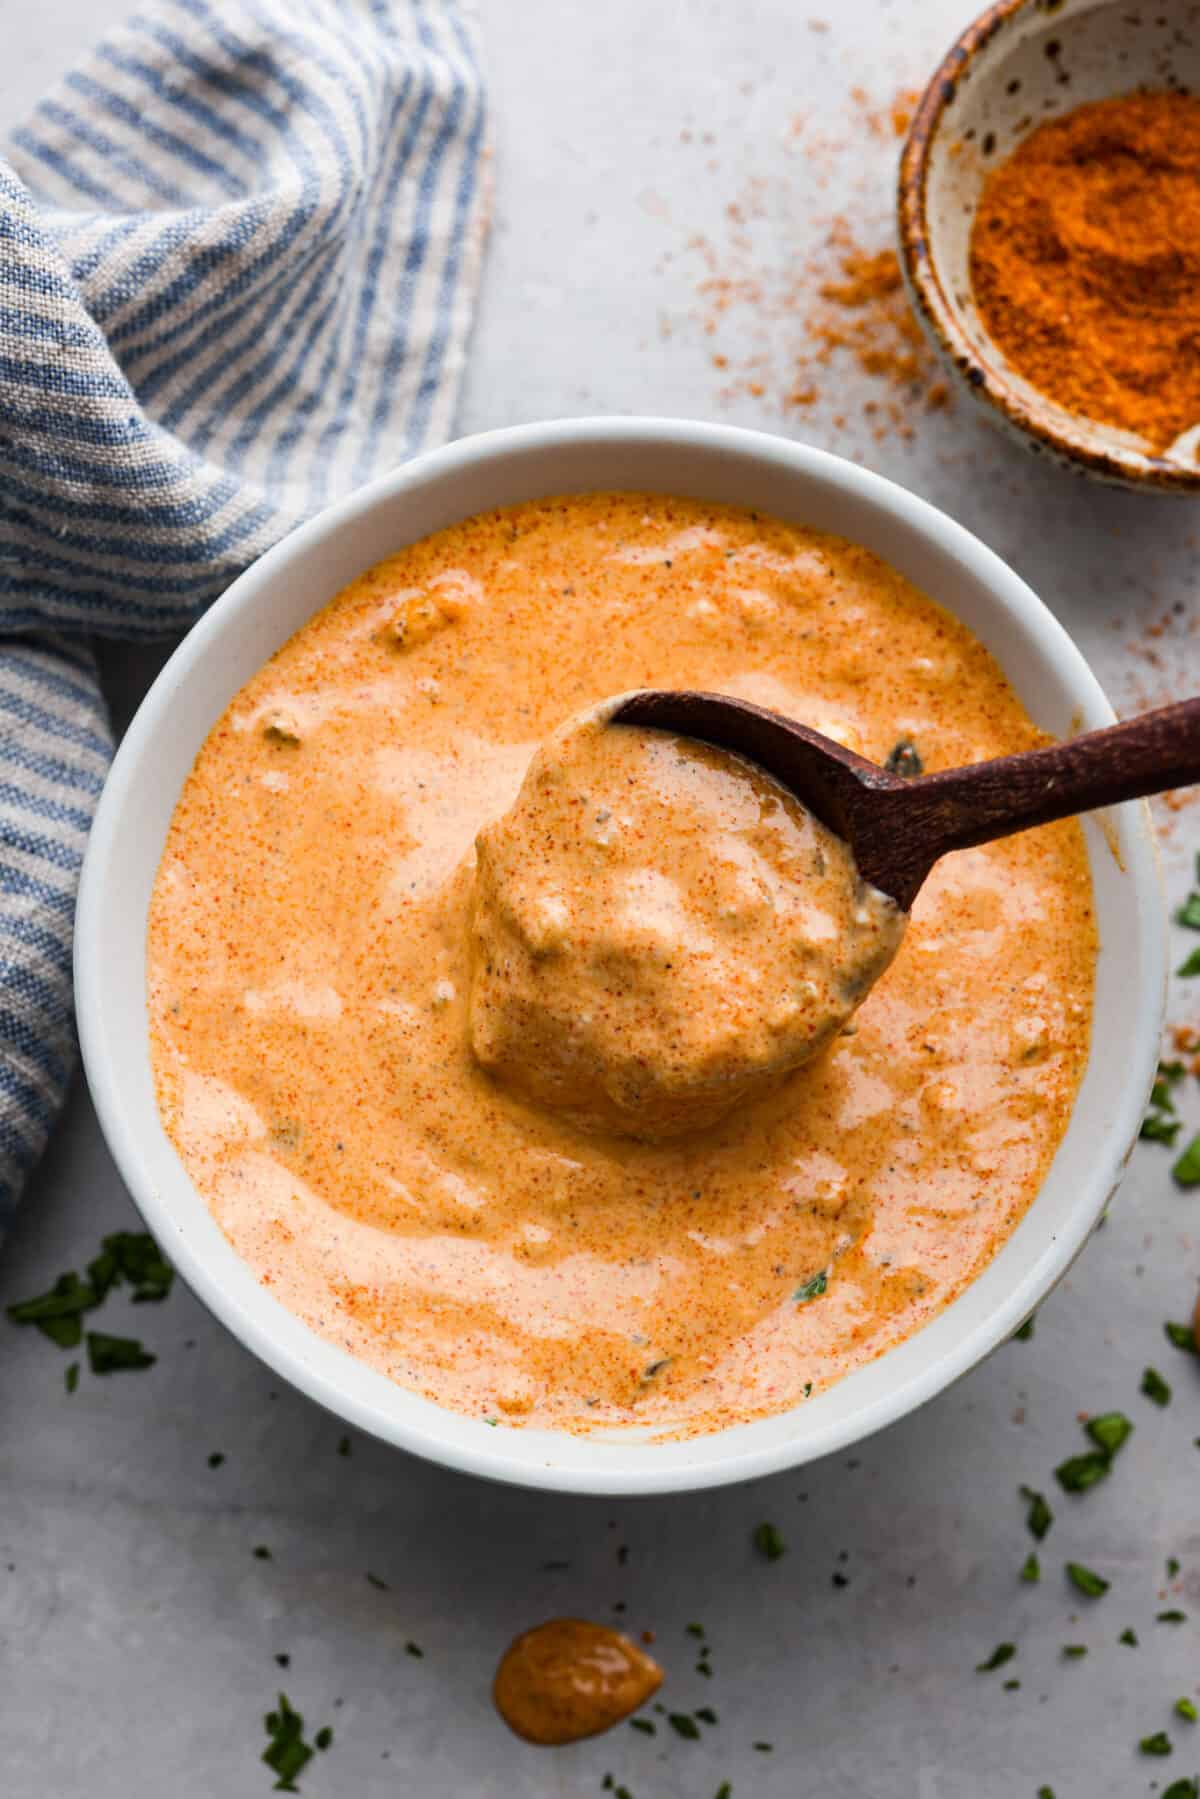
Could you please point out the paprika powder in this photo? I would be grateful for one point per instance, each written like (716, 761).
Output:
(1085, 262)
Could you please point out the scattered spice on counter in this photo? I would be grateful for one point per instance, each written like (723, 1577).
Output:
(1085, 261)
(1003, 1652)
(819, 308)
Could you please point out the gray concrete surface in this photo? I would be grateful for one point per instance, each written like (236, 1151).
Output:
(138, 1631)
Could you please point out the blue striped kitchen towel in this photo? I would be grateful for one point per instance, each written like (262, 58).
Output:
(239, 251)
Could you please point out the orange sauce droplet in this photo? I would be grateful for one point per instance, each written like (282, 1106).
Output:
(568, 1679)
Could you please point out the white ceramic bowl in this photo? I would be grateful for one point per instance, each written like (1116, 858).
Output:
(275, 597)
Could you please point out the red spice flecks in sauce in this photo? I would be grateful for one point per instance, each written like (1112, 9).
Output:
(568, 1679)
(309, 965)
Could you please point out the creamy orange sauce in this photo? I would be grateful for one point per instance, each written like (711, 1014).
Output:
(660, 932)
(568, 1679)
(309, 967)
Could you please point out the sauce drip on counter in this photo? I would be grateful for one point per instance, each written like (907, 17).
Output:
(310, 965)
(568, 1679)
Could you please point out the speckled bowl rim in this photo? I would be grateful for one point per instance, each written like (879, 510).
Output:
(932, 305)
(231, 642)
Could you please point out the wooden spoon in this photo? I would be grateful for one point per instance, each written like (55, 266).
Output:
(899, 826)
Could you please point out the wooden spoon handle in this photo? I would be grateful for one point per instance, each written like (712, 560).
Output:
(965, 806)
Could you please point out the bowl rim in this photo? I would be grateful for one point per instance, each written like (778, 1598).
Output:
(314, 1368)
(987, 383)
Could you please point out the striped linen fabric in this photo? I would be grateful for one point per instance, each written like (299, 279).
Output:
(239, 252)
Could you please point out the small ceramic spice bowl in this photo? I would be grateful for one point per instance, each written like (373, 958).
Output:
(1023, 62)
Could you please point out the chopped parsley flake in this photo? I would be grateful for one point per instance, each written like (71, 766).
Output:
(1003, 1652)
(1186, 1708)
(1156, 1127)
(71, 1377)
(1190, 965)
(287, 1754)
(812, 1289)
(1189, 913)
(1182, 1789)
(1129, 1636)
(1182, 1336)
(1079, 1472)
(1086, 1580)
(695, 1630)
(261, 1553)
(706, 1714)
(724, 1791)
(763, 1748)
(324, 1737)
(415, 1650)
(684, 1726)
(1031, 1568)
(1024, 1332)
(343, 1446)
(1173, 1566)
(116, 1355)
(1186, 1172)
(1171, 1617)
(1045, 1793)
(1158, 1744)
(769, 1543)
(375, 1581)
(1039, 1517)
(647, 1726)
(215, 1459)
(1155, 1387)
(1111, 1430)
(1074, 1652)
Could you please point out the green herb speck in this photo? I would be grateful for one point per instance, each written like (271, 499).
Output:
(1155, 1387)
(1111, 1430)
(1182, 1336)
(1171, 1617)
(1186, 1708)
(1031, 1569)
(116, 1355)
(647, 1726)
(1003, 1652)
(1186, 1171)
(71, 1377)
(812, 1289)
(1074, 1652)
(684, 1726)
(1086, 1580)
(1039, 1518)
(287, 1754)
(769, 1543)
(1158, 1744)
(1129, 1636)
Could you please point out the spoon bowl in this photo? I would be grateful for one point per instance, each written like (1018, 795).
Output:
(899, 826)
